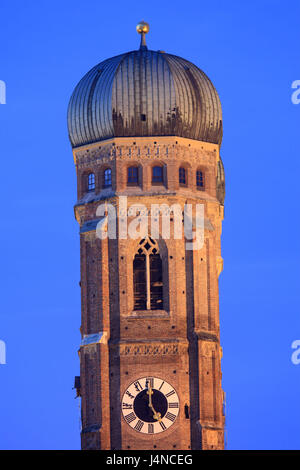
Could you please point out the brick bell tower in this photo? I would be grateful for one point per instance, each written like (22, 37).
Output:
(146, 128)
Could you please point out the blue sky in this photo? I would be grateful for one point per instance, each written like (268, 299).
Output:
(250, 50)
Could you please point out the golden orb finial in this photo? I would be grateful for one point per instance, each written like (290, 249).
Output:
(143, 28)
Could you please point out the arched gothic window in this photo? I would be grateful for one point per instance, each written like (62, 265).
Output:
(107, 178)
(91, 182)
(147, 276)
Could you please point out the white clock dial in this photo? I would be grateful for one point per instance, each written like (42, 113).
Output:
(150, 405)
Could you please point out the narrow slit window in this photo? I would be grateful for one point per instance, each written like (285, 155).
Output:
(186, 412)
(156, 284)
(139, 279)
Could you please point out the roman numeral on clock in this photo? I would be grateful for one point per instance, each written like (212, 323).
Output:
(170, 393)
(170, 416)
(150, 381)
(150, 428)
(139, 425)
(138, 386)
(161, 385)
(174, 405)
(131, 417)
(127, 406)
(162, 425)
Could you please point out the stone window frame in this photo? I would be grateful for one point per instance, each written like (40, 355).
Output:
(149, 247)
(84, 182)
(163, 251)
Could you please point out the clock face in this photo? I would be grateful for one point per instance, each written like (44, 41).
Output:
(150, 405)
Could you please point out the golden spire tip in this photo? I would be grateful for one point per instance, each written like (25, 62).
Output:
(143, 28)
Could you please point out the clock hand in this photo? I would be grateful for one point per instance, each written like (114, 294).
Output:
(150, 392)
(156, 415)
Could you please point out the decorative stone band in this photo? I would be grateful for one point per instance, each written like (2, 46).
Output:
(164, 149)
(165, 349)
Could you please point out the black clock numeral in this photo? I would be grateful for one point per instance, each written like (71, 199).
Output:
(170, 416)
(127, 406)
(130, 395)
(139, 425)
(150, 428)
(149, 380)
(161, 385)
(131, 417)
(174, 405)
(138, 386)
(170, 393)
(162, 425)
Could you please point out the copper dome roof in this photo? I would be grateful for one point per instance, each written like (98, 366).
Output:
(144, 93)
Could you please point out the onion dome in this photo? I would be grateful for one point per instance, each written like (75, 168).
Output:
(144, 93)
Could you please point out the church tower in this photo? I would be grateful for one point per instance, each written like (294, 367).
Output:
(146, 129)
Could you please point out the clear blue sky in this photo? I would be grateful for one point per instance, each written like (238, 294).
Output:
(251, 52)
